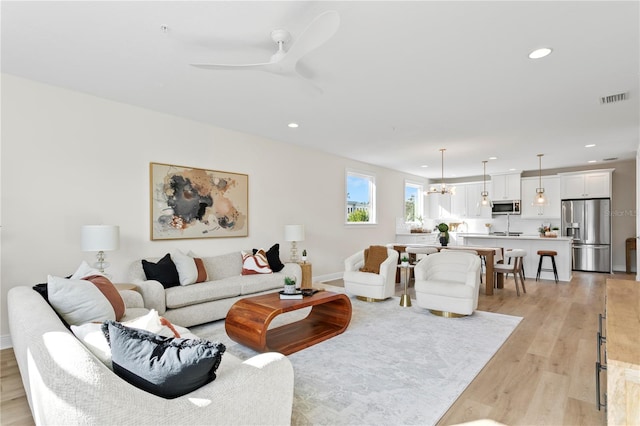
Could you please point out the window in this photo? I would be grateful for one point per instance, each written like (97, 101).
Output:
(413, 202)
(360, 200)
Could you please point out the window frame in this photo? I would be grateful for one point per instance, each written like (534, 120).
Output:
(371, 177)
(419, 203)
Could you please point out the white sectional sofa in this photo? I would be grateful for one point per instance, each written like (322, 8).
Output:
(211, 300)
(67, 385)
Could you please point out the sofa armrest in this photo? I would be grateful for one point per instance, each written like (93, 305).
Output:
(389, 265)
(153, 295)
(420, 270)
(354, 262)
(132, 299)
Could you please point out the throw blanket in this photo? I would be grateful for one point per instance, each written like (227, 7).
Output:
(373, 257)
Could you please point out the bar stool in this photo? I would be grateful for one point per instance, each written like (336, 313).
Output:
(547, 253)
(515, 269)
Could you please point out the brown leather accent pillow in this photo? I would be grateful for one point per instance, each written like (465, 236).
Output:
(373, 257)
(202, 271)
(110, 292)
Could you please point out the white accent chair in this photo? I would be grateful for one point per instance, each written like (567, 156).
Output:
(368, 286)
(447, 283)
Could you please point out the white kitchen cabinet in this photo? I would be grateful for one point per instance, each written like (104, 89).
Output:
(422, 238)
(506, 186)
(439, 206)
(474, 195)
(459, 202)
(552, 210)
(463, 205)
(592, 184)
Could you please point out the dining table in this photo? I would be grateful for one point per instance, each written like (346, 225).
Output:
(492, 255)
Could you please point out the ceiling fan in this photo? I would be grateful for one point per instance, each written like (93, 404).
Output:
(284, 62)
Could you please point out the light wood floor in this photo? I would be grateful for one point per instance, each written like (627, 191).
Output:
(543, 375)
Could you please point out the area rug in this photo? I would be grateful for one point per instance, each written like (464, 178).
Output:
(393, 365)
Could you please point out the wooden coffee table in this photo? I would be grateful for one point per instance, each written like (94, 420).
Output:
(248, 321)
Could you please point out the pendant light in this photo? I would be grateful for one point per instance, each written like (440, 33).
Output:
(443, 186)
(540, 199)
(485, 201)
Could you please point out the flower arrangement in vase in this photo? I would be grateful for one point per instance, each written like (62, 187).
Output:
(444, 234)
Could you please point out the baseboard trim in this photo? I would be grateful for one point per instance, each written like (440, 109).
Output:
(5, 341)
(328, 277)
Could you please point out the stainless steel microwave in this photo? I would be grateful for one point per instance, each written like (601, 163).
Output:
(506, 207)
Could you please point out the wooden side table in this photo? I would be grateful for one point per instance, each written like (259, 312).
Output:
(306, 275)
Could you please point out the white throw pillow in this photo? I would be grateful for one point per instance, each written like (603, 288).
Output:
(78, 301)
(84, 270)
(186, 266)
(93, 338)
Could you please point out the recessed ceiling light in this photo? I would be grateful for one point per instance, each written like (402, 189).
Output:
(592, 161)
(424, 166)
(512, 170)
(540, 53)
(293, 125)
(493, 158)
(591, 145)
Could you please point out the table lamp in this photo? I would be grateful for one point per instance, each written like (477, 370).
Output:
(293, 234)
(100, 238)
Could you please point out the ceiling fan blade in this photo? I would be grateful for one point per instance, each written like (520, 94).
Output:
(259, 67)
(318, 32)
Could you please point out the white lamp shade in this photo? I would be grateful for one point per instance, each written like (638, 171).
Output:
(294, 232)
(100, 237)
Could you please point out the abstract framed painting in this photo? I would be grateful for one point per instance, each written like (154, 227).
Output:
(187, 202)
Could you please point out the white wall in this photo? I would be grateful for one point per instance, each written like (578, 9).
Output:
(70, 159)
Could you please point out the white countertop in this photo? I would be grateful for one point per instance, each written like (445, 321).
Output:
(504, 237)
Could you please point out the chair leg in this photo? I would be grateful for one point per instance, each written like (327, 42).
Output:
(539, 268)
(515, 280)
(522, 269)
(555, 270)
(521, 272)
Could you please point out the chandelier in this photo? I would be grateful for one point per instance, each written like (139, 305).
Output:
(540, 199)
(443, 186)
(485, 201)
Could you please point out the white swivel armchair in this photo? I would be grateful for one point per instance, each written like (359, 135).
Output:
(447, 283)
(368, 286)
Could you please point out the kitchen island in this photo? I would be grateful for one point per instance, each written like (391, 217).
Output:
(531, 244)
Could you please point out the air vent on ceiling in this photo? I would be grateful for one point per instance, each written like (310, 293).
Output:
(618, 97)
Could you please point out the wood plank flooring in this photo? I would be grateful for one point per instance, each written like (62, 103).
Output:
(542, 375)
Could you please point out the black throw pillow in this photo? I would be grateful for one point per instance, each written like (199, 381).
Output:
(164, 271)
(273, 258)
(164, 366)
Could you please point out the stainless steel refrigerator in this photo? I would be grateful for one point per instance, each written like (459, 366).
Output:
(588, 222)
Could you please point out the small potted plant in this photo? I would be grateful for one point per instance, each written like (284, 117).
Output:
(444, 234)
(404, 260)
(289, 285)
(304, 256)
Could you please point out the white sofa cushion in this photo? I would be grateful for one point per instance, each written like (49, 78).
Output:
(177, 297)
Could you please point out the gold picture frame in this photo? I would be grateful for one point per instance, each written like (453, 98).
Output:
(188, 202)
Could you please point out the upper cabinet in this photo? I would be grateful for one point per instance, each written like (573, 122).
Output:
(474, 195)
(505, 186)
(463, 205)
(593, 184)
(552, 210)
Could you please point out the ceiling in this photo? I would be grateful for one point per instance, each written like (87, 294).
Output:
(400, 80)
